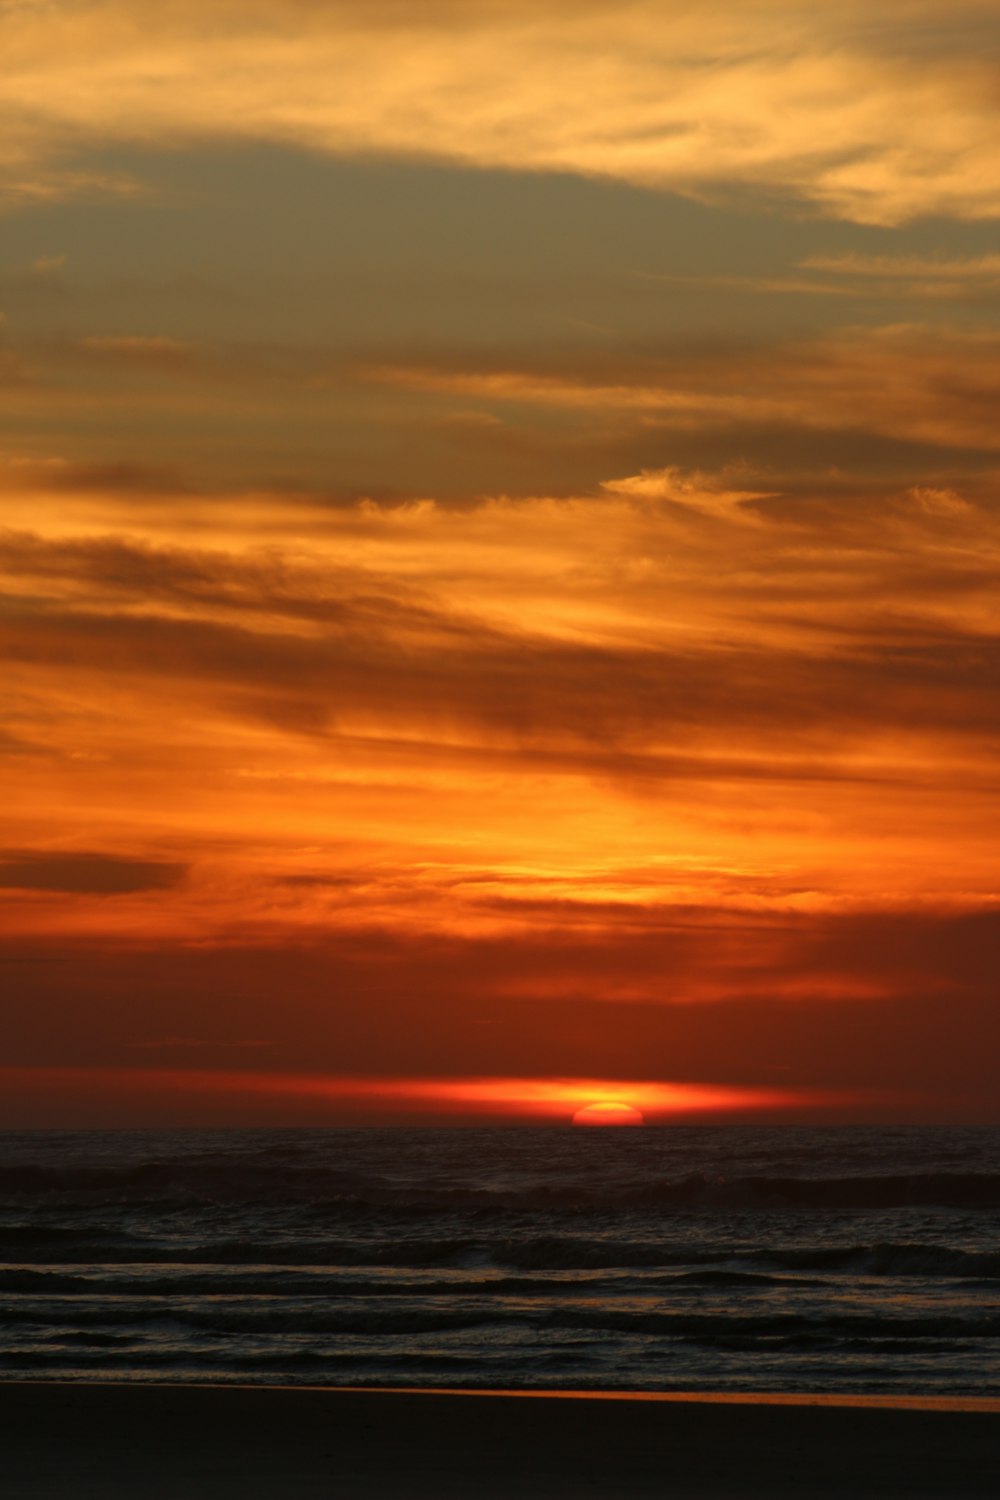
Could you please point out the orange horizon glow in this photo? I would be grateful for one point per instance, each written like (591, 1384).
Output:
(529, 1100)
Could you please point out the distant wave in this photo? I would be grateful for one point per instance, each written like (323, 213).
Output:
(374, 1320)
(183, 1181)
(568, 1253)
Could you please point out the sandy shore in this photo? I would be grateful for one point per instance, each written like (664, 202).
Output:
(73, 1442)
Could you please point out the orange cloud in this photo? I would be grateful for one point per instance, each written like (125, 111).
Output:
(899, 401)
(517, 708)
(429, 792)
(876, 122)
(905, 382)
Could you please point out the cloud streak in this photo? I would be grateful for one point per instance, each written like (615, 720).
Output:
(683, 695)
(816, 104)
(904, 382)
(85, 873)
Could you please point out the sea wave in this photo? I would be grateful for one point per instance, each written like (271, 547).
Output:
(521, 1254)
(183, 1182)
(689, 1258)
(181, 1319)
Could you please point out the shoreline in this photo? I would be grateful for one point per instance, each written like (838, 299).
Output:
(860, 1401)
(712, 1398)
(121, 1440)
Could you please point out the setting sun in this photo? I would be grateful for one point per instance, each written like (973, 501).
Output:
(608, 1112)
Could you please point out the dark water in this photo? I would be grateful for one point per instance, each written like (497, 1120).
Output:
(670, 1259)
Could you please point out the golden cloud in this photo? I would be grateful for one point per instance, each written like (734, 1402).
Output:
(589, 714)
(877, 121)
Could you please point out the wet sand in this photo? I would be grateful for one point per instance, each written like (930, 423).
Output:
(157, 1442)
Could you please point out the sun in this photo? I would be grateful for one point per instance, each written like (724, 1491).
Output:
(608, 1112)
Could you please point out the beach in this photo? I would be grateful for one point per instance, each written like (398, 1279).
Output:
(161, 1442)
(500, 1315)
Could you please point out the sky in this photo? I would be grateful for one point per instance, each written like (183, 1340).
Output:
(499, 551)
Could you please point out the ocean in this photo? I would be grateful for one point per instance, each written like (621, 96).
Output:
(661, 1259)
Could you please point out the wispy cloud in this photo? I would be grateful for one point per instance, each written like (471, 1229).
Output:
(976, 268)
(685, 692)
(783, 98)
(142, 349)
(903, 381)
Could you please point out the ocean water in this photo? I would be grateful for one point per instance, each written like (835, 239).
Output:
(840, 1260)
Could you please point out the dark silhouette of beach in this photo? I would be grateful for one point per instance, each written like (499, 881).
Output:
(158, 1442)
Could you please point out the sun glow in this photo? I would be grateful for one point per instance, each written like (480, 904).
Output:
(157, 1092)
(608, 1112)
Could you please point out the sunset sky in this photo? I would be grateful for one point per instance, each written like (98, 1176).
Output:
(499, 544)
